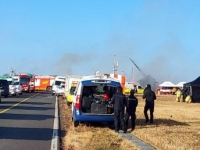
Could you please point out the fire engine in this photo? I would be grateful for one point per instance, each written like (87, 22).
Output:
(44, 83)
(26, 81)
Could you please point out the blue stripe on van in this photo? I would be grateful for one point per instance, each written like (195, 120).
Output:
(110, 83)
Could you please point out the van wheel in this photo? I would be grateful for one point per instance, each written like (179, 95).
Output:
(111, 125)
(69, 104)
(76, 123)
(6, 96)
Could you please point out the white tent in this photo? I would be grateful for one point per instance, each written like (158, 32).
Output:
(180, 84)
(167, 84)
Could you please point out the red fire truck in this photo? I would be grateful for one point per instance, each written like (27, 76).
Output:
(27, 82)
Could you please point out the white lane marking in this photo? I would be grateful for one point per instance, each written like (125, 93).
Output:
(55, 137)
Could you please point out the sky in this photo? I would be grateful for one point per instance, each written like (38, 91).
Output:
(81, 36)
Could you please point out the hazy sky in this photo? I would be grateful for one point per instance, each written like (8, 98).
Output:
(78, 37)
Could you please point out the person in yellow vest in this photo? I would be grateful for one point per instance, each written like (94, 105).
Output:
(188, 99)
(174, 91)
(178, 95)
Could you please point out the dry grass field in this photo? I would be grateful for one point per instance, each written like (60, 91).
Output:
(86, 137)
(176, 127)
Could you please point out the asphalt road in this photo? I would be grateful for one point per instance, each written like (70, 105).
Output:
(27, 123)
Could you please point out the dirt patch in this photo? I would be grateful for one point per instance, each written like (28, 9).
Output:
(176, 125)
(88, 137)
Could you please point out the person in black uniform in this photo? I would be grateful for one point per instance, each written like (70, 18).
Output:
(131, 105)
(150, 96)
(119, 101)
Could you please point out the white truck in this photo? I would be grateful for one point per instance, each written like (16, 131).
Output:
(12, 87)
(70, 86)
(58, 85)
(17, 85)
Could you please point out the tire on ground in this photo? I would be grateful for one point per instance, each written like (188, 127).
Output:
(49, 88)
(75, 123)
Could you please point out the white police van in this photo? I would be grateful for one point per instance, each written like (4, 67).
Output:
(91, 99)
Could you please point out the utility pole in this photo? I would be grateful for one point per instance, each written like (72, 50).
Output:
(115, 65)
(12, 72)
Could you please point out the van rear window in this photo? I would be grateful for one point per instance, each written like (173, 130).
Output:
(99, 90)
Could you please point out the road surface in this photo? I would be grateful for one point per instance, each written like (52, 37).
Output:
(26, 122)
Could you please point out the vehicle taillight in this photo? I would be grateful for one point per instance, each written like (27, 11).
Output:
(77, 104)
(105, 97)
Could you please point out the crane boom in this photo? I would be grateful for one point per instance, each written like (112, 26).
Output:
(137, 67)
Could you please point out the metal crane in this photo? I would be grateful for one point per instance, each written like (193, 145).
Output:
(147, 78)
(138, 68)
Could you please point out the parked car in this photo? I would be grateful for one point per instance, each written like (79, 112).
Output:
(12, 88)
(18, 88)
(4, 88)
(91, 99)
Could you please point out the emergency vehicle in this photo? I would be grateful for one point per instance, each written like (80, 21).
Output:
(12, 88)
(14, 85)
(133, 86)
(90, 100)
(44, 83)
(27, 82)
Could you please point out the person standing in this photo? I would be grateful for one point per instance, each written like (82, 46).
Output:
(174, 90)
(178, 95)
(149, 97)
(131, 105)
(119, 101)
